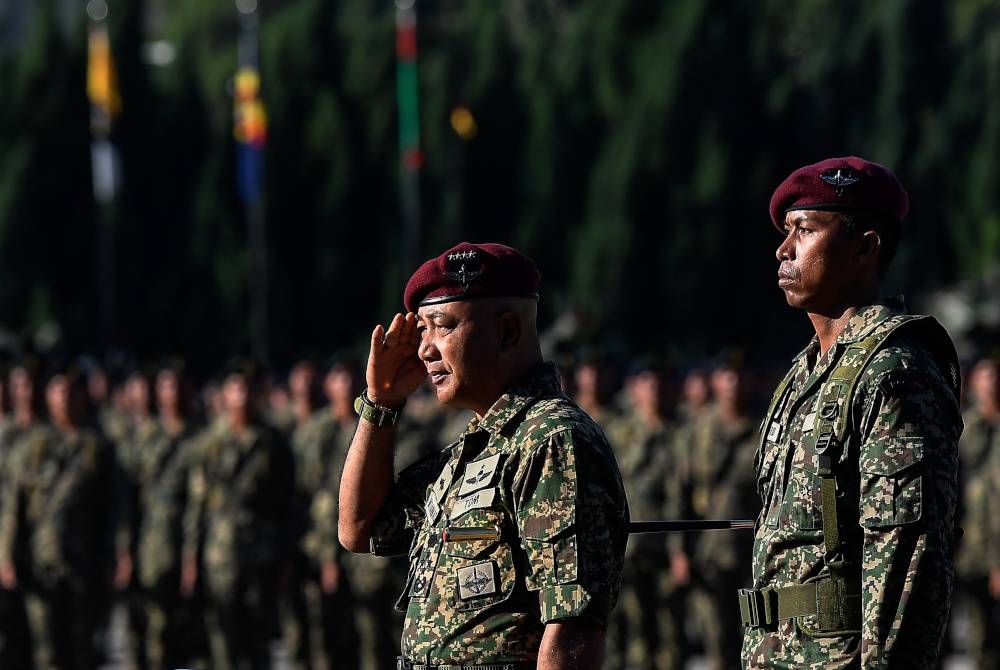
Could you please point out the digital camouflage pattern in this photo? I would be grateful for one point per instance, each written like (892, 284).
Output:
(537, 484)
(896, 489)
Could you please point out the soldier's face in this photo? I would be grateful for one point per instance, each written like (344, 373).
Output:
(339, 385)
(460, 347)
(235, 395)
(816, 271)
(301, 379)
(984, 381)
(21, 388)
(167, 389)
(57, 399)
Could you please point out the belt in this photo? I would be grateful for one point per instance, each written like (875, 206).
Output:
(825, 598)
(403, 664)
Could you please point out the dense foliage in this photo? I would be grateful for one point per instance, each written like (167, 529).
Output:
(631, 148)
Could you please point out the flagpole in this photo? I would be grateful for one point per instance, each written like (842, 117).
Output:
(250, 129)
(105, 105)
(408, 105)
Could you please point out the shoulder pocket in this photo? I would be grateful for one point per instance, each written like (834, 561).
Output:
(892, 484)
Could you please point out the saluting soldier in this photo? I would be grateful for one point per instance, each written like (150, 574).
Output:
(237, 524)
(857, 466)
(516, 532)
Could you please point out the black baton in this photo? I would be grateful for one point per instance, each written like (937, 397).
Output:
(636, 527)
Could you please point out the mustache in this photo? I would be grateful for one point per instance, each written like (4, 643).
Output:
(788, 271)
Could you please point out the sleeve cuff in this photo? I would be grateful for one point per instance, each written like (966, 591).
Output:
(571, 600)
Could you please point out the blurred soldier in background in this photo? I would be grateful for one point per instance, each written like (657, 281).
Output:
(237, 523)
(163, 464)
(721, 486)
(643, 631)
(24, 397)
(56, 530)
(978, 449)
(315, 575)
(592, 386)
(374, 581)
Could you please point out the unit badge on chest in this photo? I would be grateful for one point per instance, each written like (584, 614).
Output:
(477, 580)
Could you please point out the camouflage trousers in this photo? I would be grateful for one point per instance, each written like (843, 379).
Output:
(63, 620)
(317, 626)
(714, 608)
(379, 627)
(644, 629)
(15, 648)
(984, 622)
(166, 634)
(241, 622)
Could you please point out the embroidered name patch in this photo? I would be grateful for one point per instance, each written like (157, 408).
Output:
(478, 500)
(479, 474)
(477, 580)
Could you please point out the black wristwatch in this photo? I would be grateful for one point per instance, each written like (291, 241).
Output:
(376, 414)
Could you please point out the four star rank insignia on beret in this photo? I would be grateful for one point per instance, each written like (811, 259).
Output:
(463, 267)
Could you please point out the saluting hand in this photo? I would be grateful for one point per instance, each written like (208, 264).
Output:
(394, 370)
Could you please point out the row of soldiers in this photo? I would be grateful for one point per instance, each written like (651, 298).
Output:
(216, 528)
(218, 535)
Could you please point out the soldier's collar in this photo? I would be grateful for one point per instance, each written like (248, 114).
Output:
(541, 381)
(869, 317)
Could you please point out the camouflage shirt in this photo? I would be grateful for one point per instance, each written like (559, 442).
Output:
(896, 496)
(536, 485)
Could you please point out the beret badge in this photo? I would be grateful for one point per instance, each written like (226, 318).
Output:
(463, 267)
(839, 178)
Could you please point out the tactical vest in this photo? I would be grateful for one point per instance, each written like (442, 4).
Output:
(832, 598)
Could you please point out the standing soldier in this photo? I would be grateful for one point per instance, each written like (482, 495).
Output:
(315, 577)
(516, 532)
(979, 450)
(237, 514)
(643, 631)
(721, 486)
(162, 476)
(858, 462)
(24, 395)
(56, 530)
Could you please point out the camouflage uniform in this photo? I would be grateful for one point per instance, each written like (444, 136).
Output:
(57, 526)
(643, 631)
(523, 521)
(164, 460)
(883, 595)
(237, 513)
(15, 651)
(721, 486)
(315, 629)
(979, 449)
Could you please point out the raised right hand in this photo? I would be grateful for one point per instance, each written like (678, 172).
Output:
(394, 370)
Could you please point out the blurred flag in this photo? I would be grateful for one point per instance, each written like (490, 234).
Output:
(105, 106)
(250, 131)
(102, 80)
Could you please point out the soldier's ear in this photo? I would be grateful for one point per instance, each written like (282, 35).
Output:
(870, 247)
(510, 329)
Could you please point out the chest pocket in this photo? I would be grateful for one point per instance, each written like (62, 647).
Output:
(477, 572)
(802, 502)
(892, 484)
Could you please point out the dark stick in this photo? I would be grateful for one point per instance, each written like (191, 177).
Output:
(686, 524)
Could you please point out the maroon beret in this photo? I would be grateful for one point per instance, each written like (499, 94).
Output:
(838, 184)
(466, 271)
